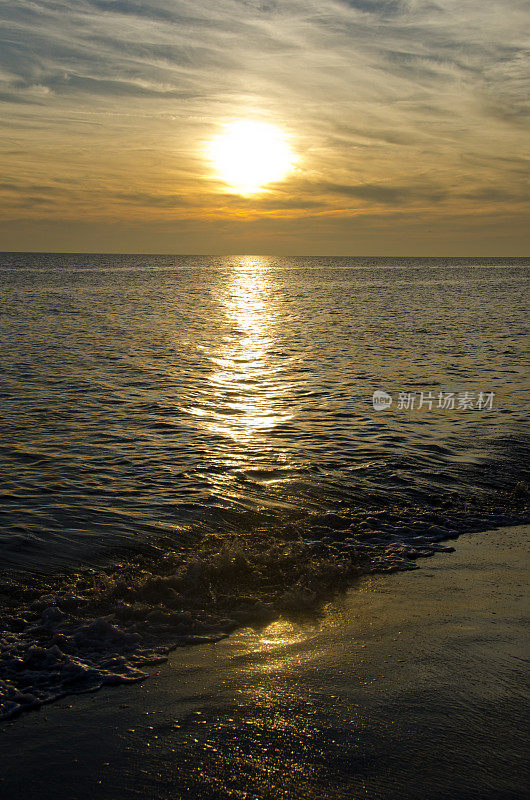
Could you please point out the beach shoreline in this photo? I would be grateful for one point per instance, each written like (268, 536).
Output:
(408, 686)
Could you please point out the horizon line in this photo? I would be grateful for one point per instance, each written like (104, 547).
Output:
(241, 255)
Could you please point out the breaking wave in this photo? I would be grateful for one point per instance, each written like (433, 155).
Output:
(77, 631)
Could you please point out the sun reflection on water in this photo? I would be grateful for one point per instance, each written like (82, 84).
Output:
(246, 383)
(282, 633)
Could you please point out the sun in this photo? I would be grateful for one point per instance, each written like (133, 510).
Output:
(248, 155)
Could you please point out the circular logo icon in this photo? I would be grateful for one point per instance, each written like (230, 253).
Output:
(381, 400)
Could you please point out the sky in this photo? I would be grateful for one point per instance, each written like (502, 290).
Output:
(408, 121)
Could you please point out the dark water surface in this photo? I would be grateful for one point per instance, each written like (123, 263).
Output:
(189, 443)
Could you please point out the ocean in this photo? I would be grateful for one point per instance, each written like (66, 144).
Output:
(191, 443)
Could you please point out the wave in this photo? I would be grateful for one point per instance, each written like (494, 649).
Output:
(74, 632)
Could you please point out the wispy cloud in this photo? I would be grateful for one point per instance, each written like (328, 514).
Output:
(391, 104)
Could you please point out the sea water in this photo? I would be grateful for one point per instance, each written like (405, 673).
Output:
(190, 443)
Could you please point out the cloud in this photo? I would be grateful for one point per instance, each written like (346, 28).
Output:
(385, 194)
(388, 104)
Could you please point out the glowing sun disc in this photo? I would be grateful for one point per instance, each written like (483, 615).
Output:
(248, 155)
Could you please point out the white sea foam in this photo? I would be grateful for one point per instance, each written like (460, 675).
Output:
(78, 632)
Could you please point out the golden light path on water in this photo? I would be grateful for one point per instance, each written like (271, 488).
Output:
(246, 384)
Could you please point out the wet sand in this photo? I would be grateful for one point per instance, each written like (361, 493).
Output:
(410, 686)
